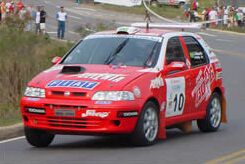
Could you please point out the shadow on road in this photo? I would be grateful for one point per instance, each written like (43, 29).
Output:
(109, 142)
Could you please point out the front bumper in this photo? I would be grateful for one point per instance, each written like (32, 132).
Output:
(80, 122)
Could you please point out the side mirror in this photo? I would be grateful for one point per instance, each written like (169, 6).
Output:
(56, 60)
(175, 67)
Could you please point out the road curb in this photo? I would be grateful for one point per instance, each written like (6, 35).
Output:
(11, 131)
(227, 32)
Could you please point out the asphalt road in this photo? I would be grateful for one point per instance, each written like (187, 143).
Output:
(226, 145)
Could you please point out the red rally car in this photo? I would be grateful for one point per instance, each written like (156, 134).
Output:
(133, 81)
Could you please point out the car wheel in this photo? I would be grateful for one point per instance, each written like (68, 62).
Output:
(38, 138)
(212, 121)
(147, 127)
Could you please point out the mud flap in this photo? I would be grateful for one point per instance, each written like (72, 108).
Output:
(223, 114)
(162, 126)
(185, 127)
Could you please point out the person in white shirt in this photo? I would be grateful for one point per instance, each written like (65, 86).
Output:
(61, 18)
(38, 19)
(213, 15)
(226, 17)
(7, 5)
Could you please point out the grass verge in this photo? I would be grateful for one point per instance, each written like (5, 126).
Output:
(22, 56)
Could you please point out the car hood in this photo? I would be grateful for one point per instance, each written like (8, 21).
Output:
(92, 78)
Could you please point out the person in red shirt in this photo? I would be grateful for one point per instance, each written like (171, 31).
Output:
(19, 5)
(11, 8)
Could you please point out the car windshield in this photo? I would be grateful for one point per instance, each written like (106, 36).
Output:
(141, 51)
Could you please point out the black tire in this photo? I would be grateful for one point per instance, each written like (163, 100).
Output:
(138, 137)
(207, 124)
(38, 138)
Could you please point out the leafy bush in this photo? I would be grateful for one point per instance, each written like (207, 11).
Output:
(22, 55)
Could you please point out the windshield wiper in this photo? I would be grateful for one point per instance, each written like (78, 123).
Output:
(113, 55)
(150, 55)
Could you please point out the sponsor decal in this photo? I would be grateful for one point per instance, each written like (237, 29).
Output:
(217, 65)
(137, 92)
(175, 96)
(67, 93)
(219, 75)
(128, 114)
(213, 58)
(36, 110)
(163, 106)
(202, 90)
(157, 83)
(72, 84)
(33, 99)
(93, 113)
(102, 76)
(103, 102)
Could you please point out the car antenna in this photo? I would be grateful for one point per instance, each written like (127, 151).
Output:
(147, 19)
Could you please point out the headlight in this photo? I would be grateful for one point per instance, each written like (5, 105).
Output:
(113, 96)
(34, 92)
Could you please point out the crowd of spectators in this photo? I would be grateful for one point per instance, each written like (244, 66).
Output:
(225, 16)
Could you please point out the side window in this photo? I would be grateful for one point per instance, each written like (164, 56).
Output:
(196, 52)
(174, 51)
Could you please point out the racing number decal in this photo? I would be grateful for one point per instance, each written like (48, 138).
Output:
(175, 96)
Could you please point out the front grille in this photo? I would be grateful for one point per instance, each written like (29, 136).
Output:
(75, 94)
(65, 122)
(65, 106)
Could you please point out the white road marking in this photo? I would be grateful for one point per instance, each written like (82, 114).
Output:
(72, 16)
(52, 32)
(72, 32)
(224, 40)
(87, 29)
(12, 139)
(82, 8)
(206, 34)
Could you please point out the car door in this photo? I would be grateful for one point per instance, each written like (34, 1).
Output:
(177, 82)
(201, 74)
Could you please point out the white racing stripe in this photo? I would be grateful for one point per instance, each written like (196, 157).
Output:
(12, 139)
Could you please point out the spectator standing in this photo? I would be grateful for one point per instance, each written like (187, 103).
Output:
(240, 18)
(192, 15)
(61, 18)
(194, 5)
(3, 9)
(11, 8)
(220, 15)
(226, 12)
(0, 11)
(213, 15)
(78, 2)
(22, 13)
(31, 17)
(7, 5)
(19, 5)
(43, 16)
(37, 20)
(186, 10)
